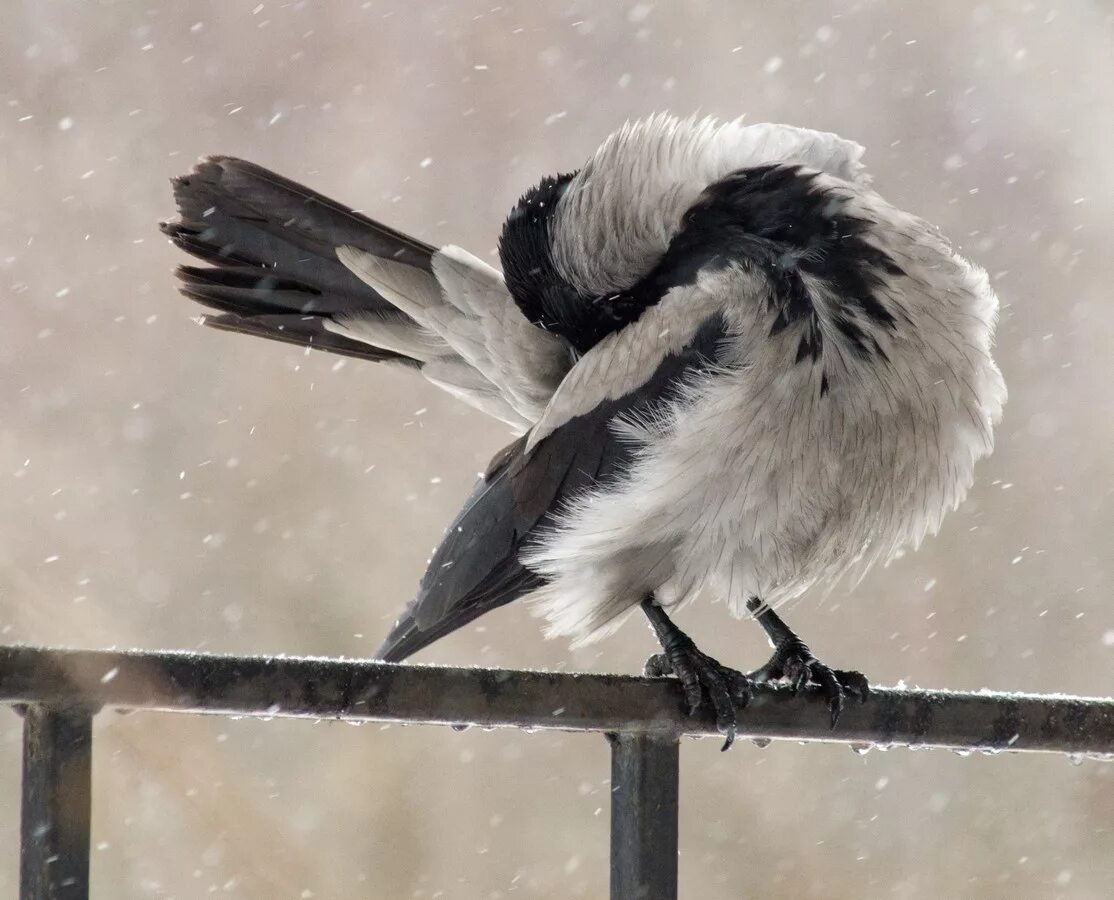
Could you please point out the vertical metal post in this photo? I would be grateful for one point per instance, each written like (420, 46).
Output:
(57, 766)
(644, 790)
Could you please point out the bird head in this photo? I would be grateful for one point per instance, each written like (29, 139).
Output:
(576, 245)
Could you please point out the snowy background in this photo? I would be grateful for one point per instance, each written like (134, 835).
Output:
(162, 485)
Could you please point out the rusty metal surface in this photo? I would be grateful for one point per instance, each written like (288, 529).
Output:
(363, 690)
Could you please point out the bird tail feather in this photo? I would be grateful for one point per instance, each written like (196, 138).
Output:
(269, 248)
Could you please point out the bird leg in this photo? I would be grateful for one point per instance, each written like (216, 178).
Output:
(793, 662)
(700, 675)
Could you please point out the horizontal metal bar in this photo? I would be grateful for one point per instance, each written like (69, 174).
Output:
(57, 772)
(384, 692)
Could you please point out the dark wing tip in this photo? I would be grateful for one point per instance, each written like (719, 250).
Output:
(400, 642)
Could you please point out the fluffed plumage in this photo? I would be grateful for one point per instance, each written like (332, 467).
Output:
(734, 366)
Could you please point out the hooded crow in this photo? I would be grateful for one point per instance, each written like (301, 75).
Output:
(734, 369)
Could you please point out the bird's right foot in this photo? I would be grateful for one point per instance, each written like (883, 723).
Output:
(701, 675)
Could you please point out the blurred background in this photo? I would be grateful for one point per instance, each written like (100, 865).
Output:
(166, 486)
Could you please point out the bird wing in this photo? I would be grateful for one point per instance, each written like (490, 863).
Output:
(574, 447)
(485, 342)
(287, 263)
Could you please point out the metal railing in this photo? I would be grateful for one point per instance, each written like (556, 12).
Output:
(59, 692)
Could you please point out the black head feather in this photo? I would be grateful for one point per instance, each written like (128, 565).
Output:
(525, 251)
(545, 297)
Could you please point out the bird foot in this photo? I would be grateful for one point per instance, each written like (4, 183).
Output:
(702, 676)
(793, 662)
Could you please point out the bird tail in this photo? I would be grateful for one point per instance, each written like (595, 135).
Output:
(271, 270)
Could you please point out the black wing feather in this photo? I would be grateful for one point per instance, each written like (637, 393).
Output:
(476, 568)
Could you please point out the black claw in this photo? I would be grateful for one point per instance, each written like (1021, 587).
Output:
(704, 678)
(853, 683)
(835, 706)
(794, 663)
(742, 691)
(830, 687)
(694, 695)
(722, 703)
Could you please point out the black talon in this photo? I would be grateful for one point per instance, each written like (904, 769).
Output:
(853, 682)
(700, 675)
(792, 661)
(704, 678)
(657, 666)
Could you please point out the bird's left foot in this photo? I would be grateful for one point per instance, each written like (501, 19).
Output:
(793, 662)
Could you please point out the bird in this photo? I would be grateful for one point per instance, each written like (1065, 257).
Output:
(731, 368)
